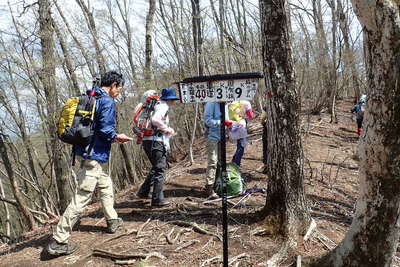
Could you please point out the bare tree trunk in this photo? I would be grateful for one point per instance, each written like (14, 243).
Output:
(348, 51)
(148, 74)
(92, 28)
(285, 210)
(47, 76)
(128, 163)
(374, 233)
(325, 92)
(197, 42)
(67, 60)
(7, 211)
(221, 35)
(332, 100)
(22, 208)
(85, 55)
(125, 15)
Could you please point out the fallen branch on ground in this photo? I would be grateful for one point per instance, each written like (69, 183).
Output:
(131, 231)
(195, 227)
(258, 232)
(120, 256)
(168, 236)
(324, 240)
(125, 262)
(313, 225)
(216, 259)
(188, 244)
(240, 256)
(142, 227)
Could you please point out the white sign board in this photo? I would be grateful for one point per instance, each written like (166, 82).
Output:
(218, 91)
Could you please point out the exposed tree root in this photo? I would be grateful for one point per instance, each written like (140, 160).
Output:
(195, 227)
(125, 262)
(120, 256)
(218, 259)
(131, 231)
(187, 244)
(238, 257)
(142, 227)
(281, 255)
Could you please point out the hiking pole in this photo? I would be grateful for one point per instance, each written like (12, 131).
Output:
(224, 191)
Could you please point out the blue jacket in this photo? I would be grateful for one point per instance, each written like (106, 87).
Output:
(104, 129)
(212, 120)
(356, 110)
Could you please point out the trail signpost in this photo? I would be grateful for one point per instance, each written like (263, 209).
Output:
(220, 88)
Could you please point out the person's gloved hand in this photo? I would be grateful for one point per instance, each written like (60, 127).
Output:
(227, 123)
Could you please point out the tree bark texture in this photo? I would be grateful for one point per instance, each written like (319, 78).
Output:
(47, 77)
(149, 40)
(374, 233)
(22, 208)
(285, 210)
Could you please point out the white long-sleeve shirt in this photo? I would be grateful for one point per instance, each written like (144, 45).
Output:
(160, 121)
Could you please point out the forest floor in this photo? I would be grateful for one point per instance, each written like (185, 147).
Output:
(188, 233)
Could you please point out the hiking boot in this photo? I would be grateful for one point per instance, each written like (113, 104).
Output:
(210, 192)
(143, 195)
(113, 225)
(160, 203)
(57, 249)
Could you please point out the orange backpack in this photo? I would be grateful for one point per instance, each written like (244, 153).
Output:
(142, 116)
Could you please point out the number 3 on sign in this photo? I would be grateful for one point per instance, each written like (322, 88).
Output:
(219, 93)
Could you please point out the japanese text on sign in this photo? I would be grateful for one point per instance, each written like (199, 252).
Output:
(219, 91)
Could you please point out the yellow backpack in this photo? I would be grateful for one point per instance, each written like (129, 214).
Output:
(75, 125)
(76, 120)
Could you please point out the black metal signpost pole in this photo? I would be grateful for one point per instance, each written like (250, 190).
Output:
(224, 178)
(220, 88)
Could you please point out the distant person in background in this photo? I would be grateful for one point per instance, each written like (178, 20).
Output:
(263, 121)
(239, 111)
(359, 110)
(212, 121)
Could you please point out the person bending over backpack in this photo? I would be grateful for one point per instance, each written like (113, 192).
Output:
(93, 169)
(156, 147)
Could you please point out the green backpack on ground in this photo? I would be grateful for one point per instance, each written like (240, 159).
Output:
(234, 181)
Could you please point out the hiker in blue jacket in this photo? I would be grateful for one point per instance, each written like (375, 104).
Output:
(359, 109)
(212, 121)
(93, 170)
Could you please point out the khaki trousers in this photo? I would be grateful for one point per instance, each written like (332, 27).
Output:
(212, 160)
(92, 173)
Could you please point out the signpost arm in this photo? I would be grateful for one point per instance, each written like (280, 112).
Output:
(224, 192)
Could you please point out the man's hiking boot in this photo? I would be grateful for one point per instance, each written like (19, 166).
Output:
(210, 192)
(160, 203)
(143, 195)
(57, 249)
(113, 225)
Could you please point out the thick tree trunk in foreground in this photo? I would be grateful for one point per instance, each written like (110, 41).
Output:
(374, 233)
(47, 77)
(285, 210)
